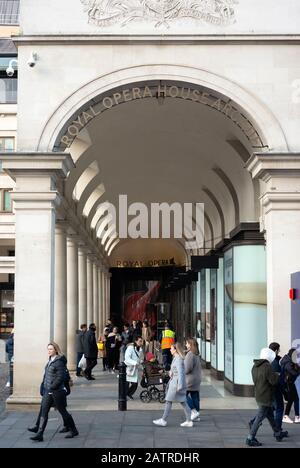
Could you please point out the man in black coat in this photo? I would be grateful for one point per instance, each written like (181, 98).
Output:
(79, 346)
(90, 351)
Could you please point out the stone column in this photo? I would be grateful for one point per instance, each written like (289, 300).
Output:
(35, 201)
(72, 298)
(95, 295)
(90, 308)
(60, 303)
(82, 286)
(105, 312)
(100, 310)
(280, 219)
(108, 276)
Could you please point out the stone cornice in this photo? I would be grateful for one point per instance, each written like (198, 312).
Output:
(119, 39)
(30, 201)
(57, 164)
(280, 201)
(264, 166)
(7, 264)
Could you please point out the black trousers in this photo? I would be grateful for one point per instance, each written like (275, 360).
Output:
(59, 400)
(131, 388)
(292, 398)
(91, 363)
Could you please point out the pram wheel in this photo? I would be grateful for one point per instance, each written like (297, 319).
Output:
(145, 396)
(154, 392)
(161, 397)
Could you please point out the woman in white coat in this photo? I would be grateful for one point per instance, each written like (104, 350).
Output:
(176, 388)
(133, 357)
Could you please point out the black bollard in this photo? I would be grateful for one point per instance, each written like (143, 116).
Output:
(122, 387)
(11, 375)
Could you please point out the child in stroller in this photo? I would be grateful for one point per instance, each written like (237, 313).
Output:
(153, 376)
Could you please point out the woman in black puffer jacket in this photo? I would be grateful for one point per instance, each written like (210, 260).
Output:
(55, 392)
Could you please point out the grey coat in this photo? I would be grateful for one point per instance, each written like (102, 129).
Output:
(193, 372)
(177, 384)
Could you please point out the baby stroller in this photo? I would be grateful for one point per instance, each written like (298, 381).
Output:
(151, 379)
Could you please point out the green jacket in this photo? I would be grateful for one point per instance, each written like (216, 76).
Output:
(265, 381)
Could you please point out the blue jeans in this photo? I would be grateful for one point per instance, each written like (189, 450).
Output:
(264, 412)
(193, 400)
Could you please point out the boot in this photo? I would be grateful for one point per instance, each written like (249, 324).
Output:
(33, 429)
(64, 430)
(72, 429)
(38, 437)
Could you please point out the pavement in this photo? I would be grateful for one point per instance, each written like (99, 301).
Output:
(94, 406)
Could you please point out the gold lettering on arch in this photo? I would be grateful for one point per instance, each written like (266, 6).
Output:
(216, 103)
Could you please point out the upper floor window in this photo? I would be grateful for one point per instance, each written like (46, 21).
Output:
(9, 11)
(8, 86)
(5, 201)
(7, 143)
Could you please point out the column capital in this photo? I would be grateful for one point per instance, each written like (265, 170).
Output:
(30, 163)
(265, 166)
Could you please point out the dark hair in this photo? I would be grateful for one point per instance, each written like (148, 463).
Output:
(126, 324)
(274, 347)
(291, 351)
(137, 338)
(146, 322)
(92, 325)
(83, 326)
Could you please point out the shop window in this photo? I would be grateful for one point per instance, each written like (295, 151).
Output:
(6, 313)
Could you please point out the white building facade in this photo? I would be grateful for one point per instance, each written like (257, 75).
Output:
(164, 101)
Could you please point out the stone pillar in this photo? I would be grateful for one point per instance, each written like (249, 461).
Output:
(104, 308)
(90, 310)
(100, 309)
(82, 286)
(108, 276)
(35, 201)
(72, 298)
(280, 219)
(95, 295)
(60, 303)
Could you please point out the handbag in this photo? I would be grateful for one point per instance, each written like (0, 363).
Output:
(100, 346)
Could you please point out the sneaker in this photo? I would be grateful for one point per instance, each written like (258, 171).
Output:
(297, 419)
(195, 416)
(160, 422)
(283, 434)
(253, 443)
(279, 438)
(287, 419)
(187, 424)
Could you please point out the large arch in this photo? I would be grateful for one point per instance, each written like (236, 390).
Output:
(265, 122)
(218, 225)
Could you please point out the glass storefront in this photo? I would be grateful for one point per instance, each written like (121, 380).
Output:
(245, 310)
(6, 313)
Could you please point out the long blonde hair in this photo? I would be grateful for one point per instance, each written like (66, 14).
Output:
(179, 350)
(56, 347)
